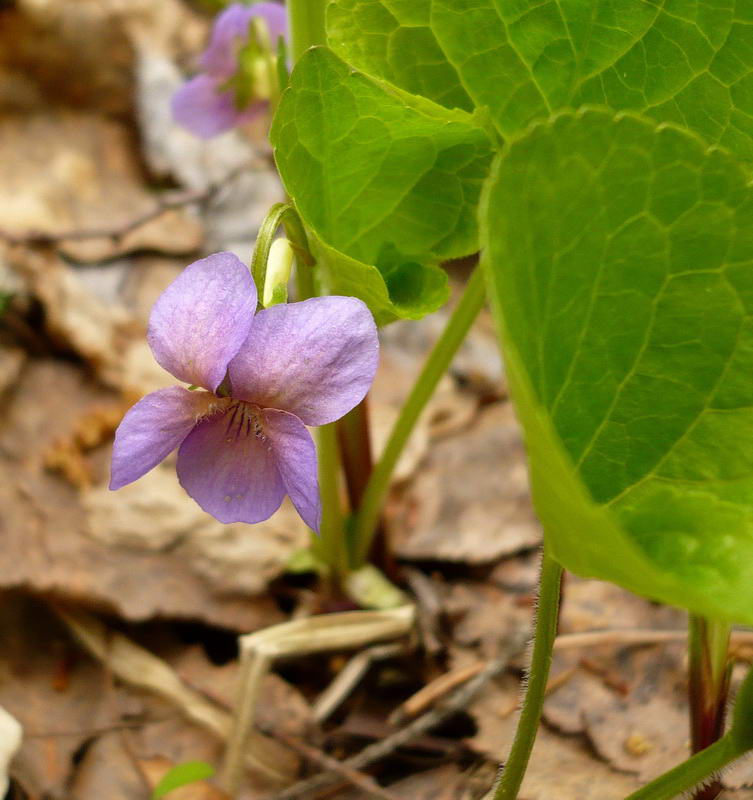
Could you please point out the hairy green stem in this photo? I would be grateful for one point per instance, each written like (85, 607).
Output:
(547, 617)
(690, 773)
(708, 687)
(705, 764)
(306, 25)
(436, 365)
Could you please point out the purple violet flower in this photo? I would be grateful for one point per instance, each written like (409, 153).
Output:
(243, 441)
(207, 105)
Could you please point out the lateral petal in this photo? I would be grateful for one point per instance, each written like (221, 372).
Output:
(315, 359)
(201, 320)
(203, 108)
(151, 430)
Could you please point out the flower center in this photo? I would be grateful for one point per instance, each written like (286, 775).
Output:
(243, 419)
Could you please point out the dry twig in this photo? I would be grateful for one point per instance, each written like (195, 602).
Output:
(428, 609)
(352, 776)
(349, 677)
(339, 631)
(633, 636)
(138, 667)
(374, 752)
(437, 688)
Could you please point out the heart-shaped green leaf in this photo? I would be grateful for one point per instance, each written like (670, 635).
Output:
(620, 259)
(684, 62)
(393, 40)
(385, 180)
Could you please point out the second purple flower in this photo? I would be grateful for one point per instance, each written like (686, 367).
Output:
(222, 95)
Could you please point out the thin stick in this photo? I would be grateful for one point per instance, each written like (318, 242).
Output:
(547, 619)
(634, 637)
(349, 677)
(318, 634)
(439, 687)
(352, 776)
(92, 732)
(374, 752)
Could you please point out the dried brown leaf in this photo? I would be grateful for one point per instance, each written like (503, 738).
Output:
(92, 181)
(49, 542)
(448, 410)
(281, 707)
(470, 501)
(57, 694)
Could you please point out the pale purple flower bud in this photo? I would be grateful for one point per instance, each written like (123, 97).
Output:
(208, 104)
(243, 447)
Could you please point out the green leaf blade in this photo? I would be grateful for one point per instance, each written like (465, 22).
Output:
(621, 267)
(380, 179)
(393, 41)
(688, 63)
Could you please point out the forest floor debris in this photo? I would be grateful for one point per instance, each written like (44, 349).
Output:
(103, 202)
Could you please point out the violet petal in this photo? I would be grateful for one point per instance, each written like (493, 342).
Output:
(296, 461)
(200, 321)
(229, 470)
(315, 359)
(230, 31)
(200, 107)
(151, 430)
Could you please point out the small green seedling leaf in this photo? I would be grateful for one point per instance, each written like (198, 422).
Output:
(182, 775)
(393, 40)
(306, 560)
(370, 588)
(389, 181)
(620, 261)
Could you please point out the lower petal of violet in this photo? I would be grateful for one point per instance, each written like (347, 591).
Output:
(151, 430)
(202, 108)
(296, 460)
(228, 466)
